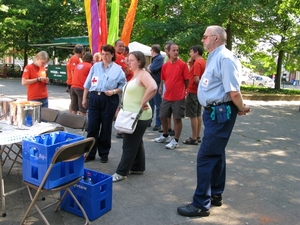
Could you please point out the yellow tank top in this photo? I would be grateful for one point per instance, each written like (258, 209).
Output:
(133, 97)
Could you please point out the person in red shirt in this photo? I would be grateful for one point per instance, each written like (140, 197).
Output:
(80, 74)
(120, 58)
(193, 107)
(74, 60)
(35, 78)
(175, 75)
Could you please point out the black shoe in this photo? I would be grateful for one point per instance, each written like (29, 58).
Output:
(160, 131)
(190, 211)
(216, 200)
(89, 158)
(119, 135)
(104, 160)
(171, 132)
(156, 128)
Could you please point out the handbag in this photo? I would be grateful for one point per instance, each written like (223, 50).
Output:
(126, 121)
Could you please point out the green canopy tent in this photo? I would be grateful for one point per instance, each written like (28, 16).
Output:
(57, 73)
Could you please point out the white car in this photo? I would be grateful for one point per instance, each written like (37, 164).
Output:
(261, 81)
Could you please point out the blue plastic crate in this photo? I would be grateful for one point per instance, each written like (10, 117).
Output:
(37, 153)
(96, 198)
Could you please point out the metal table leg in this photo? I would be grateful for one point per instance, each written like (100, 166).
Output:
(3, 194)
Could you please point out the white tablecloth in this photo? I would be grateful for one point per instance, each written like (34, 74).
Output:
(11, 134)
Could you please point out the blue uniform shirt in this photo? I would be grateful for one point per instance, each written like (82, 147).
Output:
(104, 80)
(221, 76)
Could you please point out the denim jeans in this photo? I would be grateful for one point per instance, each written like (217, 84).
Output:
(156, 102)
(44, 102)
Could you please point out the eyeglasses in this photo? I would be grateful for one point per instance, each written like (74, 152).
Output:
(206, 36)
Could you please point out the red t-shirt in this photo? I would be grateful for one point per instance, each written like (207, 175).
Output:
(80, 74)
(37, 90)
(196, 70)
(129, 75)
(74, 60)
(120, 60)
(174, 76)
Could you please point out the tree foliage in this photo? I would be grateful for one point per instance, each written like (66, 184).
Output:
(265, 32)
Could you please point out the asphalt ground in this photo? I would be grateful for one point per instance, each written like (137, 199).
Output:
(263, 167)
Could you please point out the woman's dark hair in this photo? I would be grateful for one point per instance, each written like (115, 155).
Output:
(111, 49)
(140, 57)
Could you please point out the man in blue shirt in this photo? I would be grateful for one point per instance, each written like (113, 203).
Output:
(154, 69)
(218, 91)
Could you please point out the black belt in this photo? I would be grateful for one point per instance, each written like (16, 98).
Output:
(97, 92)
(208, 107)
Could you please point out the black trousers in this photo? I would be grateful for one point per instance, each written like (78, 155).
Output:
(102, 109)
(133, 157)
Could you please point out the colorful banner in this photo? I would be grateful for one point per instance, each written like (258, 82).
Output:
(113, 30)
(127, 28)
(103, 23)
(92, 20)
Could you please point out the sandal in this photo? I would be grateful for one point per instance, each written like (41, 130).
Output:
(199, 139)
(190, 141)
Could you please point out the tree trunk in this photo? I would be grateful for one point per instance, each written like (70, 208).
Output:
(25, 51)
(229, 36)
(278, 72)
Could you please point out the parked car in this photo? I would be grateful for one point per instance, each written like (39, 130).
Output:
(257, 80)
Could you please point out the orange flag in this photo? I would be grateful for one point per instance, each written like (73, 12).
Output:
(127, 28)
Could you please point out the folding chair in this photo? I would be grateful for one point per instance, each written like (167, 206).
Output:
(65, 153)
(49, 115)
(72, 121)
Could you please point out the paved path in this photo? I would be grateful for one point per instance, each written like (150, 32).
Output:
(263, 167)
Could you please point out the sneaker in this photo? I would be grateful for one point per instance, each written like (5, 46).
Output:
(156, 128)
(172, 145)
(162, 139)
(117, 177)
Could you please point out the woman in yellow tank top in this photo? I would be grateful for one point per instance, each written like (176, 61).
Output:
(139, 90)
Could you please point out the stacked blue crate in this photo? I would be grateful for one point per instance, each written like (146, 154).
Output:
(95, 197)
(37, 153)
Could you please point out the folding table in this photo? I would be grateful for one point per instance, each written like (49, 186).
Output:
(10, 134)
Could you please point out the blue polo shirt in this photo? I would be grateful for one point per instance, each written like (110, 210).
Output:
(220, 77)
(103, 80)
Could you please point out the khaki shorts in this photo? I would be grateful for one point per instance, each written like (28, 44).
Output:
(193, 107)
(76, 100)
(175, 108)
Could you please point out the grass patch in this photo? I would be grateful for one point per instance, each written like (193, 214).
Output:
(264, 90)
